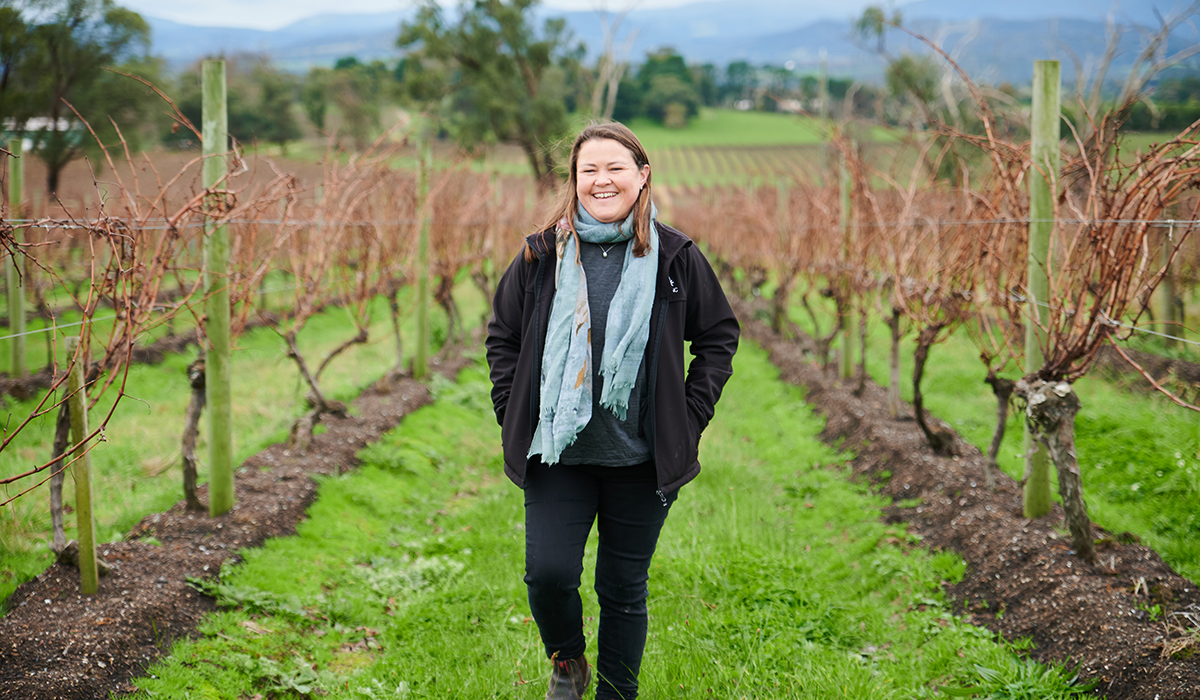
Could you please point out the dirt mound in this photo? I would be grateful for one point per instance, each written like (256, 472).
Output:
(58, 644)
(1022, 579)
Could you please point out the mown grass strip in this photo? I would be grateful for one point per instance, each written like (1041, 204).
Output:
(137, 470)
(1140, 453)
(774, 577)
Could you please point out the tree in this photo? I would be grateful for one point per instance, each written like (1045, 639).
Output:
(357, 89)
(913, 81)
(613, 63)
(277, 96)
(314, 96)
(741, 80)
(15, 41)
(63, 62)
(491, 77)
(669, 93)
(874, 23)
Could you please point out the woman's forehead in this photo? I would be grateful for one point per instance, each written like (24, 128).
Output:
(603, 151)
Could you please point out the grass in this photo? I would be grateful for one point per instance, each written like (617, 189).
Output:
(731, 127)
(1139, 454)
(137, 470)
(774, 577)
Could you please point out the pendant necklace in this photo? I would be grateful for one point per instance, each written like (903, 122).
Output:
(604, 251)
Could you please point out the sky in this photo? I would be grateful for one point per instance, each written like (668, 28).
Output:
(273, 14)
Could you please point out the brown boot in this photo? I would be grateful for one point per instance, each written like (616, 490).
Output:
(569, 679)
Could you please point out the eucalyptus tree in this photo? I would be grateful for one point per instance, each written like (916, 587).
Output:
(489, 76)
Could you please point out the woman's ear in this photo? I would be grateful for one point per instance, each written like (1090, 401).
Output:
(643, 175)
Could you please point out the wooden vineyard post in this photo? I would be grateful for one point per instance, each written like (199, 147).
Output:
(847, 360)
(823, 113)
(1043, 178)
(216, 287)
(81, 470)
(16, 280)
(421, 356)
(1172, 322)
(783, 287)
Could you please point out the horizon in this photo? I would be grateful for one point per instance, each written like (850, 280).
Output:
(272, 15)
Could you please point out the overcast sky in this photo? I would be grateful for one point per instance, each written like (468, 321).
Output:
(273, 14)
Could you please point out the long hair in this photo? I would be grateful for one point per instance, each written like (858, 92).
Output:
(568, 198)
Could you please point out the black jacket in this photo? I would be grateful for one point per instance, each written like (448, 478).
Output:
(690, 306)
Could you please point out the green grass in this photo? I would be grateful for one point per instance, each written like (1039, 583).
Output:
(137, 470)
(774, 577)
(731, 127)
(1139, 454)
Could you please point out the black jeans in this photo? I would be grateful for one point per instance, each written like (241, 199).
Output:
(561, 502)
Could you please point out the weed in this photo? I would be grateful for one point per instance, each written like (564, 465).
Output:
(1024, 679)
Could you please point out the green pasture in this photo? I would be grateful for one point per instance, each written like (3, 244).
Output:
(774, 578)
(1139, 453)
(137, 470)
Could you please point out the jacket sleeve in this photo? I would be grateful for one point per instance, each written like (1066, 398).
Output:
(504, 332)
(713, 331)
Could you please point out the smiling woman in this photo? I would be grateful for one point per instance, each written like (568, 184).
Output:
(612, 442)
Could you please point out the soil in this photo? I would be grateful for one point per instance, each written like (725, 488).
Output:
(56, 644)
(1022, 580)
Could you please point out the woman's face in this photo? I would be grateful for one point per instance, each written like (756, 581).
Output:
(608, 179)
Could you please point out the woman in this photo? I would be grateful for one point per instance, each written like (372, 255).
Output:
(601, 423)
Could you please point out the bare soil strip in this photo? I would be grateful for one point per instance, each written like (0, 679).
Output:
(57, 644)
(1023, 580)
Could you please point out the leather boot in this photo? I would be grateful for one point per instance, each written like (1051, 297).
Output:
(569, 679)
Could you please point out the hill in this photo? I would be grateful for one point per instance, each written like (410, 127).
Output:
(997, 42)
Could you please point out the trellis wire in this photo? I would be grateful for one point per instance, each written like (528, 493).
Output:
(49, 223)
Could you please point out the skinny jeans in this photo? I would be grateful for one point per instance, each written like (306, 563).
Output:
(561, 503)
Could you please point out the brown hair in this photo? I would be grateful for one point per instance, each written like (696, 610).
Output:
(568, 198)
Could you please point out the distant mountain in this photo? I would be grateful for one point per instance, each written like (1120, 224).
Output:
(994, 41)
(319, 40)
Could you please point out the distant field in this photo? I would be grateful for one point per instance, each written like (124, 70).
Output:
(729, 127)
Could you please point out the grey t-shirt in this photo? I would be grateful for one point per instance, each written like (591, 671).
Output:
(606, 440)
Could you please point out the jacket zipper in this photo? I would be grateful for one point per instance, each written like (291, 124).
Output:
(535, 385)
(662, 324)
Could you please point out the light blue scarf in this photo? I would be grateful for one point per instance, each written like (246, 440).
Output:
(566, 388)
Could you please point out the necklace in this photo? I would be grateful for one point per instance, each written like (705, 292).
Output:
(604, 251)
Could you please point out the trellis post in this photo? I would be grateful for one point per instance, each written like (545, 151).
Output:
(847, 360)
(217, 379)
(1043, 180)
(425, 209)
(81, 470)
(16, 280)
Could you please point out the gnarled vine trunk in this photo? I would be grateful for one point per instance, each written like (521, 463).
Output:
(942, 441)
(302, 428)
(893, 392)
(1050, 409)
(191, 429)
(862, 355)
(1003, 390)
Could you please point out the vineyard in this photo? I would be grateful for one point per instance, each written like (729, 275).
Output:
(350, 279)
